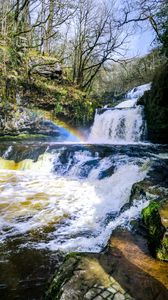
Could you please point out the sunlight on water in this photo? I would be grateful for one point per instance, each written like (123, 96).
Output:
(27, 164)
(34, 198)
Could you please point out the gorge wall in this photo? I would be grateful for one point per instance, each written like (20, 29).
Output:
(156, 107)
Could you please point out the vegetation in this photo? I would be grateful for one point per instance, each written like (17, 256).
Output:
(58, 56)
(118, 78)
(158, 241)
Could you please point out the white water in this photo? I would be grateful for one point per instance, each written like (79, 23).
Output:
(122, 124)
(71, 199)
(138, 91)
(77, 212)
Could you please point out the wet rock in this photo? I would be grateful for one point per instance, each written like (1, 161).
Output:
(119, 296)
(106, 173)
(82, 277)
(155, 185)
(124, 271)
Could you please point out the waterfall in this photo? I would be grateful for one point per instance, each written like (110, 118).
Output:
(122, 124)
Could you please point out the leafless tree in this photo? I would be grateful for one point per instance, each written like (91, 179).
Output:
(97, 39)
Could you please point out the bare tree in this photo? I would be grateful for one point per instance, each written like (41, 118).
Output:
(97, 39)
(137, 11)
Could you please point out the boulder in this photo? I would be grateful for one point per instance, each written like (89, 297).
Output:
(24, 121)
(46, 68)
(83, 277)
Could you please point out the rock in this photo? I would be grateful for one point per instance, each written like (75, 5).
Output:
(25, 121)
(119, 296)
(46, 67)
(82, 277)
(153, 217)
(156, 107)
(124, 271)
(153, 187)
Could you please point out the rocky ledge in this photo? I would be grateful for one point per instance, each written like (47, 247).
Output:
(125, 270)
(25, 121)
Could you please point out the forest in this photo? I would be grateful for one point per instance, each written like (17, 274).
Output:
(56, 55)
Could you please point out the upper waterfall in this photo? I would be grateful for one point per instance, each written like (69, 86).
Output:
(122, 124)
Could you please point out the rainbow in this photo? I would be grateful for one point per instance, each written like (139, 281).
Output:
(77, 134)
(73, 133)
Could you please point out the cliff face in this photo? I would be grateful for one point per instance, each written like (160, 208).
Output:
(156, 107)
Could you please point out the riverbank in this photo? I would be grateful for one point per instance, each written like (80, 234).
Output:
(125, 270)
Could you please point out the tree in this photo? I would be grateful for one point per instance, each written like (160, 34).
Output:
(155, 12)
(97, 39)
(161, 26)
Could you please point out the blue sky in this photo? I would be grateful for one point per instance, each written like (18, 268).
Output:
(141, 43)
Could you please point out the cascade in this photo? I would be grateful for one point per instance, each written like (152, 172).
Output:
(122, 124)
(72, 191)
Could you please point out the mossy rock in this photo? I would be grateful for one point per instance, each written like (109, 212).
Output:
(62, 276)
(157, 237)
(162, 253)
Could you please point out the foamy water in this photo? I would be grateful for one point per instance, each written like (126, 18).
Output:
(72, 213)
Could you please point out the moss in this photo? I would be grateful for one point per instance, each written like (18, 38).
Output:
(22, 136)
(73, 255)
(162, 253)
(155, 230)
(62, 276)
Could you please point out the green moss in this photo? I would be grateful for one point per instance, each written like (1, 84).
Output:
(155, 230)
(149, 212)
(66, 100)
(22, 136)
(73, 255)
(162, 253)
(62, 276)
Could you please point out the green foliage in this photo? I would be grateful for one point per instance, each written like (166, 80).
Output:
(74, 106)
(119, 78)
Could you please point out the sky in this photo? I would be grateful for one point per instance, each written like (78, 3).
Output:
(141, 43)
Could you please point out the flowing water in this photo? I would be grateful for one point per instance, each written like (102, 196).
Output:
(122, 124)
(58, 196)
